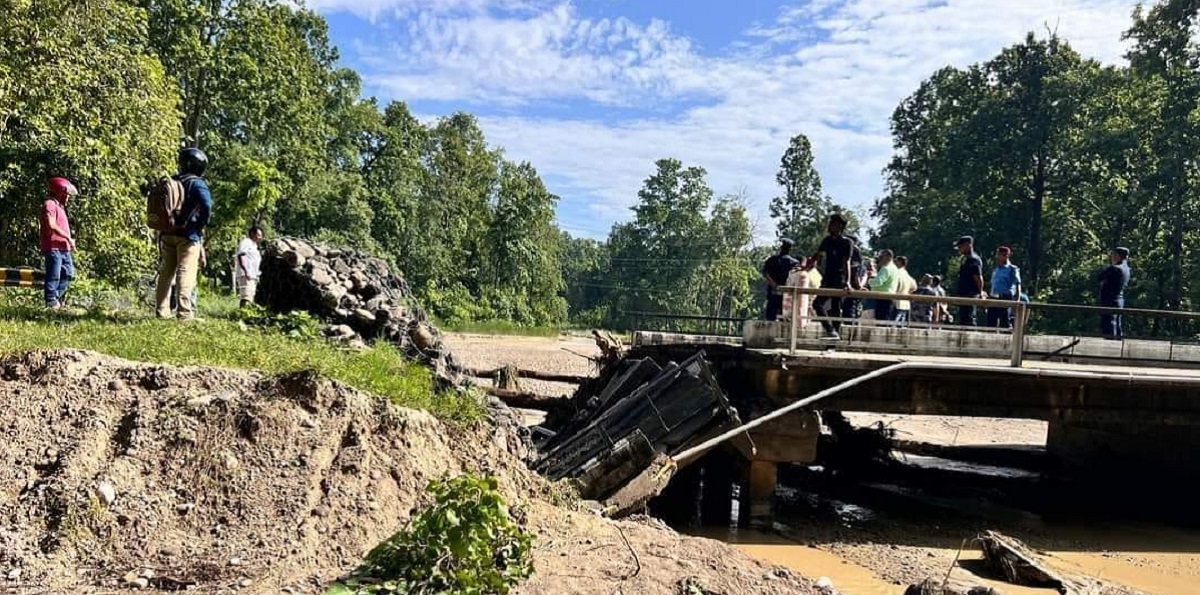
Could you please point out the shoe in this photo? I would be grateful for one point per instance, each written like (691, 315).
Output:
(831, 336)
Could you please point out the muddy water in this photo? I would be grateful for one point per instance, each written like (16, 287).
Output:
(847, 577)
(878, 537)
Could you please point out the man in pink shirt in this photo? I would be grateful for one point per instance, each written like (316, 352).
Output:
(57, 242)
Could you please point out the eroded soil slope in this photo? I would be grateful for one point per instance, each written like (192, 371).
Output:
(112, 470)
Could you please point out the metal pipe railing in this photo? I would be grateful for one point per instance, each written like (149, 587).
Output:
(703, 447)
(1020, 319)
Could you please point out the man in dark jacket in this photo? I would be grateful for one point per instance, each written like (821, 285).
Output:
(1113, 281)
(775, 272)
(181, 249)
(970, 279)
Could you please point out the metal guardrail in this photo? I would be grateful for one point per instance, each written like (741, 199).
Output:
(1020, 319)
(711, 323)
(22, 277)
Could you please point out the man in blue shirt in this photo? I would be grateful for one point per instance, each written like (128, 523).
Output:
(1006, 285)
(181, 248)
(970, 279)
(1113, 281)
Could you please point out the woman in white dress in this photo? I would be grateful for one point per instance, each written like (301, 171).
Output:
(801, 277)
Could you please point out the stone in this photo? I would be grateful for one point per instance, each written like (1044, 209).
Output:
(235, 561)
(364, 316)
(245, 583)
(14, 574)
(422, 337)
(321, 277)
(305, 249)
(116, 385)
(106, 492)
(140, 582)
(294, 259)
(333, 295)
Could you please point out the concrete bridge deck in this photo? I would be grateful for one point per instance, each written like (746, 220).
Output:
(1116, 415)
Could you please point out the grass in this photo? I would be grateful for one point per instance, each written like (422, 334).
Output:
(501, 327)
(220, 342)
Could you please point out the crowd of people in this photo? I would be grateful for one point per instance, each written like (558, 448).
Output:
(845, 267)
(188, 206)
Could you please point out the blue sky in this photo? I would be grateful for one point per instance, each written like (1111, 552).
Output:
(592, 93)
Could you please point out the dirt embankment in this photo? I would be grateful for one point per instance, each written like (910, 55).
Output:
(113, 471)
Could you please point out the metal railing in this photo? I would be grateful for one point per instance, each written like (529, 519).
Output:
(724, 326)
(1020, 312)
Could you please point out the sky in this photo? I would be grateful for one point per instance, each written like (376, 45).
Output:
(592, 93)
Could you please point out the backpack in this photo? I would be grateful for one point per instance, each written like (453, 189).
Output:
(164, 202)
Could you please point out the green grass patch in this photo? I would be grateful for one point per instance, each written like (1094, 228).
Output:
(221, 342)
(500, 327)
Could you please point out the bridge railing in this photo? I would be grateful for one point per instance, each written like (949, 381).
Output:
(721, 326)
(1020, 313)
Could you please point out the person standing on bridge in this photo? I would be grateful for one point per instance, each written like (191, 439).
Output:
(56, 241)
(837, 250)
(1113, 281)
(775, 272)
(905, 285)
(884, 281)
(970, 279)
(1006, 285)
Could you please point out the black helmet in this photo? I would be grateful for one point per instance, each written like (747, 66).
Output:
(192, 161)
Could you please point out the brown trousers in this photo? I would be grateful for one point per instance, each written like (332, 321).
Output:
(181, 263)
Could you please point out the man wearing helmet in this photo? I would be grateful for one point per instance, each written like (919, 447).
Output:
(56, 240)
(181, 248)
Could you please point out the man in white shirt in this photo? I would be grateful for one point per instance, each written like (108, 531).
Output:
(246, 266)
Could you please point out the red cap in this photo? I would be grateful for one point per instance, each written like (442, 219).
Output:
(1004, 250)
(61, 188)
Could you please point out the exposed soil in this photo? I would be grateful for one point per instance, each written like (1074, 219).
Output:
(238, 482)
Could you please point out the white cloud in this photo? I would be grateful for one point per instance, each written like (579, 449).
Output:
(832, 69)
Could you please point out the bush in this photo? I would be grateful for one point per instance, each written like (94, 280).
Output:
(466, 543)
(297, 324)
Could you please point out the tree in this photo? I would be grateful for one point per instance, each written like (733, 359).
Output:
(522, 274)
(988, 151)
(81, 97)
(1166, 57)
(801, 212)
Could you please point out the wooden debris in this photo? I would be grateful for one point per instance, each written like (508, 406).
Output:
(933, 586)
(530, 374)
(508, 378)
(1021, 566)
(526, 400)
(643, 413)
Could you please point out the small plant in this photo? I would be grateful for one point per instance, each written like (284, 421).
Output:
(466, 543)
(297, 324)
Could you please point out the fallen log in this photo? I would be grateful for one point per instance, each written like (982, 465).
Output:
(528, 374)
(525, 400)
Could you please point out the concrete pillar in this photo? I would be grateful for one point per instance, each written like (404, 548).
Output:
(760, 483)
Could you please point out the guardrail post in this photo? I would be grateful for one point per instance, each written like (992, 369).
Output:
(795, 320)
(1021, 316)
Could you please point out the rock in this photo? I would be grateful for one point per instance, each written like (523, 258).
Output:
(422, 337)
(321, 277)
(333, 295)
(245, 583)
(147, 573)
(295, 259)
(305, 250)
(825, 584)
(168, 551)
(116, 385)
(200, 402)
(140, 582)
(321, 511)
(235, 561)
(106, 493)
(14, 574)
(364, 316)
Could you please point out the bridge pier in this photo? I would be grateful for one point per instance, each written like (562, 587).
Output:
(788, 439)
